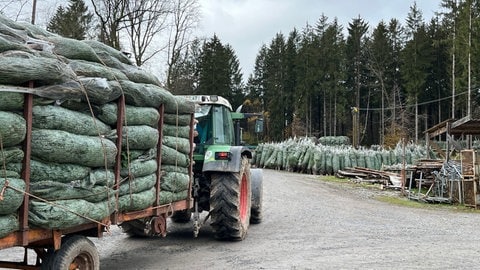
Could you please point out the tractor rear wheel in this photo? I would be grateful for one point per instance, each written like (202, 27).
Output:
(230, 203)
(256, 214)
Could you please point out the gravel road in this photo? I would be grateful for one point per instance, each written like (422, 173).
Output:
(312, 224)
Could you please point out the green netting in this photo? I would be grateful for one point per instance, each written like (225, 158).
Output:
(102, 177)
(7, 45)
(33, 30)
(50, 190)
(41, 171)
(100, 90)
(90, 69)
(176, 131)
(180, 144)
(11, 101)
(56, 117)
(179, 105)
(9, 174)
(328, 163)
(334, 140)
(137, 184)
(347, 163)
(60, 91)
(134, 115)
(337, 160)
(171, 156)
(73, 49)
(11, 155)
(51, 146)
(137, 137)
(12, 129)
(139, 168)
(8, 224)
(175, 182)
(63, 214)
(134, 74)
(17, 71)
(149, 95)
(103, 49)
(177, 119)
(144, 155)
(173, 168)
(12, 196)
(169, 197)
(136, 201)
(12, 35)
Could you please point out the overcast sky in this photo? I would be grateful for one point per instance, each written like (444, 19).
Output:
(248, 24)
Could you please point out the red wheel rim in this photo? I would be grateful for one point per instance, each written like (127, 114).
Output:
(243, 198)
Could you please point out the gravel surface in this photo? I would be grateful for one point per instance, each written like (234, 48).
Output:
(312, 224)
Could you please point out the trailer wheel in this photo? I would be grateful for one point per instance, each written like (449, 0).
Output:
(76, 252)
(256, 214)
(230, 203)
(182, 216)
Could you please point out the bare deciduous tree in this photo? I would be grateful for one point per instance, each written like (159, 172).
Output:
(18, 6)
(111, 14)
(185, 19)
(145, 22)
(152, 27)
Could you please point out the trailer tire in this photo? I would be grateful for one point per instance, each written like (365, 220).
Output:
(76, 252)
(256, 214)
(182, 216)
(230, 203)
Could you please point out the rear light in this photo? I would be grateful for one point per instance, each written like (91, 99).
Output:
(222, 155)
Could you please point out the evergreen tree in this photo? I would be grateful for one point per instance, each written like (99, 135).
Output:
(307, 87)
(332, 47)
(357, 71)
(417, 59)
(438, 81)
(379, 61)
(219, 72)
(73, 21)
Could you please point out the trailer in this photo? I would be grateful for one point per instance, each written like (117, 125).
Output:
(69, 247)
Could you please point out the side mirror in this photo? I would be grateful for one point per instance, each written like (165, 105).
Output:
(259, 125)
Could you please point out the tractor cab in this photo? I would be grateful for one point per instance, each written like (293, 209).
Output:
(215, 123)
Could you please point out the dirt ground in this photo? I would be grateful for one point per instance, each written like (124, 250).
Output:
(311, 224)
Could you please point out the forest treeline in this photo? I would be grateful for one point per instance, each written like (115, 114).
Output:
(375, 84)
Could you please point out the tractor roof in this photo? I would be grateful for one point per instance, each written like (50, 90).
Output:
(209, 99)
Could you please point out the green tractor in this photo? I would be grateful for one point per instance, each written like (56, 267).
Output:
(224, 184)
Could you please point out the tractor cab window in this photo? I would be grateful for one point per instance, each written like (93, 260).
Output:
(204, 125)
(215, 125)
(223, 125)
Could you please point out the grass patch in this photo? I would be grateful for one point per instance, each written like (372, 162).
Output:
(405, 202)
(397, 198)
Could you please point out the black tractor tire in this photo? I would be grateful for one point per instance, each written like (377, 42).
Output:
(230, 203)
(135, 228)
(256, 214)
(76, 252)
(182, 216)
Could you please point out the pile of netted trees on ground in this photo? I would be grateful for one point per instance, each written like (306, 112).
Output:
(328, 155)
(77, 87)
